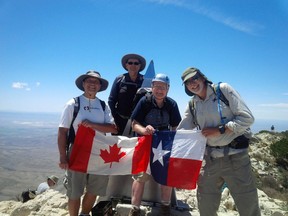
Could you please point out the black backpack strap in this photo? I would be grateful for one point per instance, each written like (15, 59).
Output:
(148, 103)
(71, 133)
(103, 105)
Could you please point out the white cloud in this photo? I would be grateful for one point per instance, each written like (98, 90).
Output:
(278, 105)
(37, 84)
(249, 27)
(19, 85)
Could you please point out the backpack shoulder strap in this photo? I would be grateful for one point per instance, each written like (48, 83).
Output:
(148, 103)
(71, 133)
(217, 90)
(76, 108)
(193, 112)
(103, 105)
(148, 96)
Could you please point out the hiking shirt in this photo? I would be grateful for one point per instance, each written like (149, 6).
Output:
(238, 117)
(90, 109)
(122, 94)
(147, 112)
(42, 187)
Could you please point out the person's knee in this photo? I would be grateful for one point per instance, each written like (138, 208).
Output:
(141, 177)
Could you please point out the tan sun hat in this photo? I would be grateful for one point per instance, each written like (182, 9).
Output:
(94, 74)
(141, 59)
(53, 178)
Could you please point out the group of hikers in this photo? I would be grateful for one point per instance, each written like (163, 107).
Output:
(220, 113)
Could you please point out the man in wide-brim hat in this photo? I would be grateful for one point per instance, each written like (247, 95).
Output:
(92, 74)
(92, 114)
(141, 60)
(124, 89)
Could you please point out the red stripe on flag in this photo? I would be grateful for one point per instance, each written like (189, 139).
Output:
(183, 173)
(81, 150)
(141, 155)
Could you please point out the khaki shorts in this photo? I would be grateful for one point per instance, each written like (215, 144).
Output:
(141, 177)
(77, 182)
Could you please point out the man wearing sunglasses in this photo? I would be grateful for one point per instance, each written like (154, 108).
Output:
(124, 89)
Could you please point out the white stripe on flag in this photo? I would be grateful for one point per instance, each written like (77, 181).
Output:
(189, 145)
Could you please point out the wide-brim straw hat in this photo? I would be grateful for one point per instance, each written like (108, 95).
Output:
(94, 74)
(133, 56)
(53, 178)
(189, 73)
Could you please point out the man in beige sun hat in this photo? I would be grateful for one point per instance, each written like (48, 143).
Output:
(49, 183)
(95, 114)
(124, 88)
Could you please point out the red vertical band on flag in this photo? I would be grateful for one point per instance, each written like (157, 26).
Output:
(141, 155)
(183, 173)
(81, 150)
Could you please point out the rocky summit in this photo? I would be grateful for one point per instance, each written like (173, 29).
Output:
(272, 193)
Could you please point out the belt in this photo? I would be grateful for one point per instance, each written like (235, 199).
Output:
(123, 117)
(162, 128)
(233, 145)
(218, 147)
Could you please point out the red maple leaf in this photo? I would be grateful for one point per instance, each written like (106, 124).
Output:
(113, 156)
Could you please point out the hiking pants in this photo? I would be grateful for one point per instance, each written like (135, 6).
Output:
(235, 171)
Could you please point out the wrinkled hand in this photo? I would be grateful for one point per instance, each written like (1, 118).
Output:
(149, 130)
(86, 123)
(63, 164)
(210, 132)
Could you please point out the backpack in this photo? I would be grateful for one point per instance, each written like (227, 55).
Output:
(219, 94)
(140, 90)
(71, 133)
(28, 195)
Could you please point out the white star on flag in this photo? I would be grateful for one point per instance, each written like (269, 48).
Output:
(159, 153)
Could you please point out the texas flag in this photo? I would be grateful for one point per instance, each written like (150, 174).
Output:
(176, 158)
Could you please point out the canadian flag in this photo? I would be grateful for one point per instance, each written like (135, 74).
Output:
(95, 153)
(174, 158)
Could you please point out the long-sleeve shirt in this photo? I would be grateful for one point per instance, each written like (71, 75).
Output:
(238, 117)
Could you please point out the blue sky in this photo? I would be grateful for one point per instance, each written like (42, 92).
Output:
(46, 44)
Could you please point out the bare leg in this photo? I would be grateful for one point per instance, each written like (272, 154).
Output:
(137, 192)
(88, 202)
(73, 207)
(166, 194)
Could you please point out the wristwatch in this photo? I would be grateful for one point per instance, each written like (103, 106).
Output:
(222, 129)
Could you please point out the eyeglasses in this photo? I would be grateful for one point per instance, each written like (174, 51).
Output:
(95, 82)
(192, 80)
(131, 63)
(163, 88)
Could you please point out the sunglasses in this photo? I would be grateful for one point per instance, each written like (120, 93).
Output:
(131, 63)
(192, 79)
